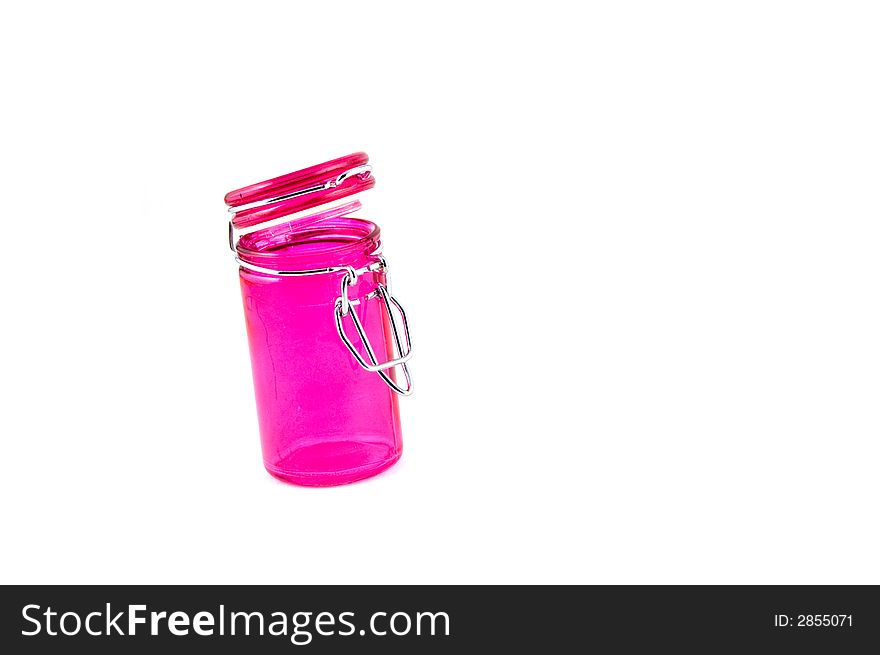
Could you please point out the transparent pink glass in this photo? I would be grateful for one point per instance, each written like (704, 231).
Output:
(323, 419)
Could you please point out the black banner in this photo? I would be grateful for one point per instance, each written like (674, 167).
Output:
(414, 619)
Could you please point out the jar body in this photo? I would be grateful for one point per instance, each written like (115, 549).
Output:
(323, 419)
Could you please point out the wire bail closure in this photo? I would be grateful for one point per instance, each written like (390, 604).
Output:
(342, 308)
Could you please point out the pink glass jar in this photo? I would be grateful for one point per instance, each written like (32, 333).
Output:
(328, 341)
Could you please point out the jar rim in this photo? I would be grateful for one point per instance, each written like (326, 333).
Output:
(334, 241)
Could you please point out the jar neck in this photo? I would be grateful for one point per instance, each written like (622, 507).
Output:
(337, 241)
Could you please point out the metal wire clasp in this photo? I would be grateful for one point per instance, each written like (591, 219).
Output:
(342, 308)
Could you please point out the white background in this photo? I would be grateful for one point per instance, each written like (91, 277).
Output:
(637, 241)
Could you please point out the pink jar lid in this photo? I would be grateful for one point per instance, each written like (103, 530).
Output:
(300, 190)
